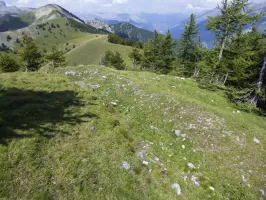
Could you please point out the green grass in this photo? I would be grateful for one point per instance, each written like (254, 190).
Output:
(66, 138)
(90, 52)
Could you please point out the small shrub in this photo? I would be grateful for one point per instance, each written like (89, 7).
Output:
(8, 64)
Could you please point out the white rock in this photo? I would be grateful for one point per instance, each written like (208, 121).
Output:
(114, 103)
(194, 179)
(183, 135)
(145, 162)
(176, 187)
(178, 132)
(211, 188)
(191, 166)
(156, 159)
(244, 179)
(183, 146)
(71, 73)
(141, 153)
(256, 140)
(126, 165)
(262, 192)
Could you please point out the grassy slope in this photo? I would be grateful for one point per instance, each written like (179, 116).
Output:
(91, 51)
(84, 48)
(54, 153)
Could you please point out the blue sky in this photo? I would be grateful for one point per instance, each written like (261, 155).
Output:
(129, 6)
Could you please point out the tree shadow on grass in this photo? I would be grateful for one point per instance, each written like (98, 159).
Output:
(37, 113)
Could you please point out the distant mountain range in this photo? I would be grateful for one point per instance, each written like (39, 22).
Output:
(134, 26)
(124, 30)
(148, 21)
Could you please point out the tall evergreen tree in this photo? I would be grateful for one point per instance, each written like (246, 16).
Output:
(234, 15)
(136, 57)
(159, 53)
(30, 54)
(189, 45)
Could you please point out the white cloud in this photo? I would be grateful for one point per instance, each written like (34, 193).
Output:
(107, 5)
(120, 1)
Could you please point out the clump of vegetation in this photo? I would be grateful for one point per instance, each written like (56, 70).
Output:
(8, 38)
(8, 64)
(116, 39)
(113, 59)
(56, 57)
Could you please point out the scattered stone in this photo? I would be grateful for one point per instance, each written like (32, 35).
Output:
(71, 73)
(145, 162)
(244, 179)
(114, 103)
(183, 135)
(154, 128)
(84, 160)
(194, 179)
(178, 133)
(176, 187)
(191, 166)
(183, 146)
(92, 128)
(126, 165)
(262, 192)
(104, 77)
(185, 178)
(211, 188)
(95, 86)
(141, 153)
(156, 159)
(256, 140)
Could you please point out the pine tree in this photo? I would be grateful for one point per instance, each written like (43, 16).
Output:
(136, 57)
(30, 54)
(167, 54)
(8, 64)
(57, 57)
(234, 15)
(8, 38)
(189, 46)
(159, 53)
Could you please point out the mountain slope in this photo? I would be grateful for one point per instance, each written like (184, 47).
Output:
(125, 30)
(92, 132)
(90, 51)
(48, 25)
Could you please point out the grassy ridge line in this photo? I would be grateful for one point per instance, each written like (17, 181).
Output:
(90, 52)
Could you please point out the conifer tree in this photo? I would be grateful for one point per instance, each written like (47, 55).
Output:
(136, 57)
(189, 45)
(30, 54)
(159, 53)
(57, 57)
(234, 15)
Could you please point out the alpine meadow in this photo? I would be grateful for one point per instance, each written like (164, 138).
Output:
(126, 104)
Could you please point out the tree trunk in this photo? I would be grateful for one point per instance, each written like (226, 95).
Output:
(221, 50)
(261, 76)
(226, 77)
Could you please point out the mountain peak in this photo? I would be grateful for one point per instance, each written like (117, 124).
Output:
(2, 4)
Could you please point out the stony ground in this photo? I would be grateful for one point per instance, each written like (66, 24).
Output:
(134, 135)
